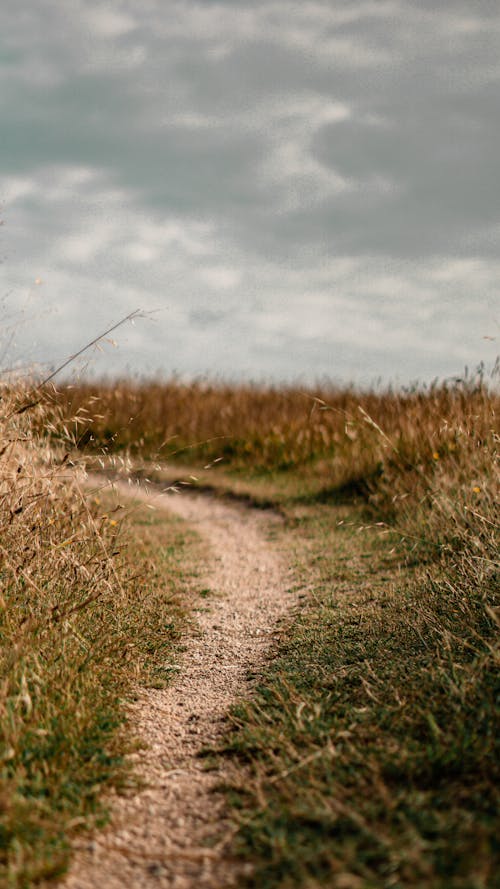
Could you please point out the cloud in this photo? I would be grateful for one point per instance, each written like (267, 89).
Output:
(272, 175)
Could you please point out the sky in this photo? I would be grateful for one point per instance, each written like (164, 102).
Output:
(287, 191)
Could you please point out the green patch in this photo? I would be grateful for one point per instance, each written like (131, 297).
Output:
(370, 751)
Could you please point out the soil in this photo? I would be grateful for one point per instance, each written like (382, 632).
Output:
(176, 831)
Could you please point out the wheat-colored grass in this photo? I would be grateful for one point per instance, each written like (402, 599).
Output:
(373, 742)
(82, 617)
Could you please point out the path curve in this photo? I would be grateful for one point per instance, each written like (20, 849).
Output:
(175, 832)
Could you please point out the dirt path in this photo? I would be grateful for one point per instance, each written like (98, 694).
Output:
(175, 832)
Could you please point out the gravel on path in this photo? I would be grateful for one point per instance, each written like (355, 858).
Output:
(175, 832)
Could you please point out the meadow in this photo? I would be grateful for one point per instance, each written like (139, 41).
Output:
(369, 754)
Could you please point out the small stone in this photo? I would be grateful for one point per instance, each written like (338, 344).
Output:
(156, 869)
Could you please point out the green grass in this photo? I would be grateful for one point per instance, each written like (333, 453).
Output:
(369, 755)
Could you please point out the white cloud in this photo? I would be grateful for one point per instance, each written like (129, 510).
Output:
(302, 187)
(86, 246)
(106, 23)
(137, 252)
(291, 124)
(12, 188)
(220, 277)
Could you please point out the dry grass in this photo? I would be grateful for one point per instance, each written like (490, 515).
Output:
(338, 437)
(426, 459)
(81, 620)
(372, 742)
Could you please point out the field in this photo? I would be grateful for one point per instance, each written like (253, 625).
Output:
(84, 615)
(369, 755)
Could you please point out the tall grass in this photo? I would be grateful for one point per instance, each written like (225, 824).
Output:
(265, 428)
(372, 744)
(76, 630)
(426, 459)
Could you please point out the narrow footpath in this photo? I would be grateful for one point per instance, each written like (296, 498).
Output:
(175, 832)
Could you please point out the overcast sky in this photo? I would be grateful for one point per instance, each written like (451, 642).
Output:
(294, 189)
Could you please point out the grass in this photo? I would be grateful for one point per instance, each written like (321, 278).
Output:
(368, 755)
(329, 436)
(370, 752)
(93, 598)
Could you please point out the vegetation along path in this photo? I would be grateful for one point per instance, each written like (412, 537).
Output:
(175, 832)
